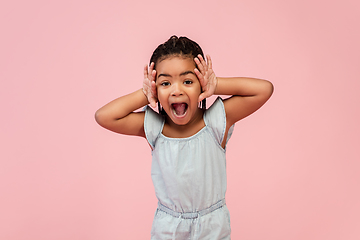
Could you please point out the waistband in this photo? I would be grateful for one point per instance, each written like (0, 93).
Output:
(192, 215)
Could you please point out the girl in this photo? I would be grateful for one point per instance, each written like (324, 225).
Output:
(188, 142)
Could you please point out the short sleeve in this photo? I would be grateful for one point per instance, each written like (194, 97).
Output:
(153, 124)
(215, 119)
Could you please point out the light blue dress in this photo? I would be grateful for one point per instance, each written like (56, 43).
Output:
(189, 177)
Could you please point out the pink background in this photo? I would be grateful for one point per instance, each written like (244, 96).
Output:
(293, 167)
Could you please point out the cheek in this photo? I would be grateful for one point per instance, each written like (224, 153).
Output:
(161, 96)
(198, 87)
(197, 90)
(195, 96)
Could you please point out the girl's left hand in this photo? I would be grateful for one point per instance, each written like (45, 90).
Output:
(149, 86)
(206, 76)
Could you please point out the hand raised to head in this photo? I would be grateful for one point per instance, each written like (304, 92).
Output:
(149, 86)
(206, 76)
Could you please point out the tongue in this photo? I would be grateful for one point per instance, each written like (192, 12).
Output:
(179, 108)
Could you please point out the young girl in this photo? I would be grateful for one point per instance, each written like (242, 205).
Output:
(188, 142)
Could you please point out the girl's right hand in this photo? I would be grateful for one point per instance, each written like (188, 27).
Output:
(149, 86)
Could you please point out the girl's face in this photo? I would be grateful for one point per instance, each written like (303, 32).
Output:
(178, 89)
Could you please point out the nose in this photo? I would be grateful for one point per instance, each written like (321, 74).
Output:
(176, 90)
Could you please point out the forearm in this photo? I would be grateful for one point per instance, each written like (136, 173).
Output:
(242, 86)
(121, 107)
(247, 96)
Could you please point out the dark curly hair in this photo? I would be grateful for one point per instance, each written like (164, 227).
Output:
(177, 46)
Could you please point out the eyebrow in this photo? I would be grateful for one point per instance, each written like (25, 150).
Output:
(186, 73)
(181, 74)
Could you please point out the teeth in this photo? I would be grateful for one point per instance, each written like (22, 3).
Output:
(179, 109)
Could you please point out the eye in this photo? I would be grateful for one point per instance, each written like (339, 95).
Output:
(165, 84)
(187, 82)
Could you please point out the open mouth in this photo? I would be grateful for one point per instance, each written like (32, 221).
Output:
(179, 109)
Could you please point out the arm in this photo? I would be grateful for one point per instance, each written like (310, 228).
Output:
(119, 116)
(248, 95)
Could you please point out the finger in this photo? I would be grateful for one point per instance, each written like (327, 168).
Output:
(208, 58)
(145, 71)
(153, 88)
(153, 75)
(200, 77)
(198, 73)
(149, 70)
(197, 61)
(200, 65)
(205, 94)
(151, 66)
(202, 96)
(202, 60)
